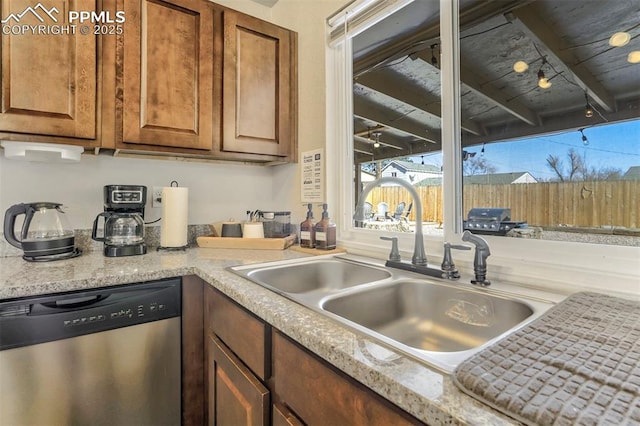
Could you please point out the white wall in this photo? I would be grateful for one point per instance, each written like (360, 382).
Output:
(216, 191)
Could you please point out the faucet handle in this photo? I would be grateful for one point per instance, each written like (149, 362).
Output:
(447, 265)
(394, 256)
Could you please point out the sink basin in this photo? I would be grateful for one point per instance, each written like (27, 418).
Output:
(436, 321)
(430, 317)
(316, 275)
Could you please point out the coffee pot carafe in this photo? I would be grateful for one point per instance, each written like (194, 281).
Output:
(123, 233)
(45, 234)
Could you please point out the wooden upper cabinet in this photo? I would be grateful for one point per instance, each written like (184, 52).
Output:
(48, 81)
(167, 74)
(258, 83)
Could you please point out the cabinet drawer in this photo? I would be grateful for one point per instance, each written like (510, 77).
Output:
(246, 335)
(319, 394)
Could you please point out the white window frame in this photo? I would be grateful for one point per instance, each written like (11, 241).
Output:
(561, 266)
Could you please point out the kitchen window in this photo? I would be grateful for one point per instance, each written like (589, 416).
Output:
(518, 259)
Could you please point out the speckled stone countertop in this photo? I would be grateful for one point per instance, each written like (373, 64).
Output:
(426, 393)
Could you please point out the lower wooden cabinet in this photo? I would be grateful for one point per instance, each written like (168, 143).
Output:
(241, 331)
(256, 375)
(236, 396)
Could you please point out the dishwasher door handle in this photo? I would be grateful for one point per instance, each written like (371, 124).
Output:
(76, 302)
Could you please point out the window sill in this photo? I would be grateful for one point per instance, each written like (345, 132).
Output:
(546, 265)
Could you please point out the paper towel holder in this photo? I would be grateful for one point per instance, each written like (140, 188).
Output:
(174, 184)
(181, 248)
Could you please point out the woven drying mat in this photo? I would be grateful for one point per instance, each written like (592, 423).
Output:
(579, 363)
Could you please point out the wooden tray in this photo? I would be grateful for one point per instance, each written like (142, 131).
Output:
(246, 243)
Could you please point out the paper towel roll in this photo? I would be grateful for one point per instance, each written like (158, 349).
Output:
(175, 211)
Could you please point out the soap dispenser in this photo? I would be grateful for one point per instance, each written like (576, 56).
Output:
(307, 230)
(325, 232)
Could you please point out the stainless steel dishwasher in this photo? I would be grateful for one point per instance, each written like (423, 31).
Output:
(108, 356)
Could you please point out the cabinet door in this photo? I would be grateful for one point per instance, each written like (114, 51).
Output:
(236, 397)
(48, 80)
(256, 93)
(167, 74)
(283, 417)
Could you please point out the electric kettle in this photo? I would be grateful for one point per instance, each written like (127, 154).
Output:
(45, 235)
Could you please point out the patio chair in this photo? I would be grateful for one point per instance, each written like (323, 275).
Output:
(399, 210)
(382, 211)
(404, 217)
(367, 211)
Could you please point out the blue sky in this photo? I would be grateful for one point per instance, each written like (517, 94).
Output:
(610, 146)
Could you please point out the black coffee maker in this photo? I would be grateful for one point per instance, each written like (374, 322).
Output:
(123, 214)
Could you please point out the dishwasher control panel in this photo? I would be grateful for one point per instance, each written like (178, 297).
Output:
(149, 310)
(55, 317)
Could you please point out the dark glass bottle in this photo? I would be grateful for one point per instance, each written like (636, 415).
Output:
(307, 230)
(325, 232)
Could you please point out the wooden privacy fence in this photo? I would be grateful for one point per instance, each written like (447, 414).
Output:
(431, 197)
(584, 204)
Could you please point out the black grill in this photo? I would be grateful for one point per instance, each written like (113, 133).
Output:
(495, 221)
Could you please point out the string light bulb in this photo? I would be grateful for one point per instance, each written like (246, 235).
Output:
(376, 135)
(634, 57)
(588, 109)
(620, 39)
(520, 66)
(543, 81)
(585, 141)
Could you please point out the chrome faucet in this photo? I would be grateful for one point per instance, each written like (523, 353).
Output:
(418, 263)
(419, 257)
(479, 259)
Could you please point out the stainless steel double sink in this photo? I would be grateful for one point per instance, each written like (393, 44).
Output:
(437, 321)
